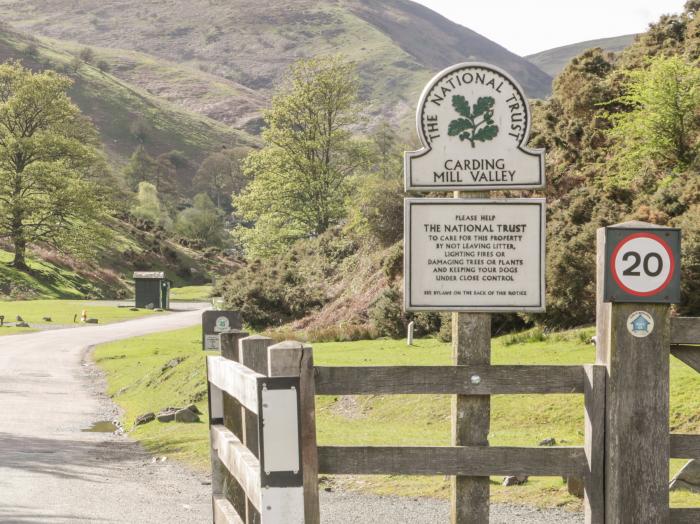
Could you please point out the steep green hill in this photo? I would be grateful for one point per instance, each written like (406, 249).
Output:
(553, 61)
(114, 105)
(397, 44)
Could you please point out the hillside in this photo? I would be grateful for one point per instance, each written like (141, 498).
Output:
(136, 246)
(114, 104)
(397, 44)
(553, 61)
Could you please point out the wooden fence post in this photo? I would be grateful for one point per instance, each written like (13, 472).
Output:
(594, 445)
(471, 415)
(294, 359)
(233, 420)
(252, 352)
(637, 449)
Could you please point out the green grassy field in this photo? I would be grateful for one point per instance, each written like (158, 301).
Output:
(192, 293)
(140, 382)
(63, 312)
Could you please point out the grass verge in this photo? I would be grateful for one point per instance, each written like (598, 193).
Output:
(64, 311)
(140, 380)
(192, 293)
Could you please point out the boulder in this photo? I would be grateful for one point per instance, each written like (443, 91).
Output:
(22, 324)
(185, 415)
(688, 478)
(144, 419)
(166, 416)
(194, 409)
(548, 442)
(515, 480)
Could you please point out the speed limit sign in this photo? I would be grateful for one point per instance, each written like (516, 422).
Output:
(642, 265)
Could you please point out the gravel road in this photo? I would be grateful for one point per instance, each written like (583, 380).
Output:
(52, 471)
(354, 508)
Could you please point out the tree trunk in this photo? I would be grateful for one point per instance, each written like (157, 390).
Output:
(20, 244)
(20, 261)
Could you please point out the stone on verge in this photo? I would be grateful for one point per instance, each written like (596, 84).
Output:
(185, 415)
(166, 416)
(22, 324)
(515, 480)
(548, 442)
(92, 321)
(687, 478)
(144, 419)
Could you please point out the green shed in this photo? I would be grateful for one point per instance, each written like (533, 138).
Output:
(152, 289)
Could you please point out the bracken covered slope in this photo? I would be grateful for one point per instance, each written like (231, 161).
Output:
(398, 44)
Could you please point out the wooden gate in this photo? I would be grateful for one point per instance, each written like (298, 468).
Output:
(624, 461)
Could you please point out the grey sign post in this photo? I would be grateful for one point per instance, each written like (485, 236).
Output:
(216, 322)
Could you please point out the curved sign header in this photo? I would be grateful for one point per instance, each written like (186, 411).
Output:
(474, 121)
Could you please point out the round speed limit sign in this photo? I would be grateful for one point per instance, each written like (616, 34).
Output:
(643, 264)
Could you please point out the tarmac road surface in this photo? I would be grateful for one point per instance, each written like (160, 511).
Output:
(53, 472)
(50, 470)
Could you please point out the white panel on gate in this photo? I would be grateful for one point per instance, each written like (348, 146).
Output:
(280, 423)
(282, 505)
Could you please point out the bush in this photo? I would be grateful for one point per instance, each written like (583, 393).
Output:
(387, 314)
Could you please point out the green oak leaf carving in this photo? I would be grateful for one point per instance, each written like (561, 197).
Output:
(476, 124)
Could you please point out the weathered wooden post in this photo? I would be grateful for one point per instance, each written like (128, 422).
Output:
(294, 359)
(473, 256)
(233, 419)
(637, 279)
(253, 354)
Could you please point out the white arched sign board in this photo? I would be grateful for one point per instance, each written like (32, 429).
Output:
(473, 121)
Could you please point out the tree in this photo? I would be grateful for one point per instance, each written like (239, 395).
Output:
(300, 178)
(660, 130)
(148, 205)
(220, 175)
(87, 55)
(48, 165)
(141, 168)
(201, 222)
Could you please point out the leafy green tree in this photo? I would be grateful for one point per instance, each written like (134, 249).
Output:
(660, 131)
(221, 175)
(141, 168)
(300, 179)
(148, 206)
(201, 222)
(49, 163)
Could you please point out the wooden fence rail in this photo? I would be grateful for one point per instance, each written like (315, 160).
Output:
(472, 461)
(452, 380)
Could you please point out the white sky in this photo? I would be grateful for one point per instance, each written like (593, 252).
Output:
(526, 27)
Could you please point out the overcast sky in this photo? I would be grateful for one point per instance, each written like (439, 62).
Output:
(528, 27)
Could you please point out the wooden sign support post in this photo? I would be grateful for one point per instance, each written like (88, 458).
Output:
(633, 341)
(471, 414)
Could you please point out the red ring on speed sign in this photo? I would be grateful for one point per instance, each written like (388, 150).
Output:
(663, 244)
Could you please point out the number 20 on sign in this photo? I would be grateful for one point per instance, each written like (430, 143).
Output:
(642, 265)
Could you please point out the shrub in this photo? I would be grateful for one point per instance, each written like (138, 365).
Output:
(387, 314)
